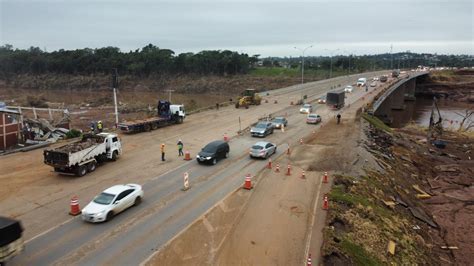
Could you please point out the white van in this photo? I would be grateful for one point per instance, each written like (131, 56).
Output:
(361, 82)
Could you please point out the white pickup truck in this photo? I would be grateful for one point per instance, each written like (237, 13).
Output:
(83, 156)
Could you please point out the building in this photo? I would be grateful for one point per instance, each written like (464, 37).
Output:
(10, 128)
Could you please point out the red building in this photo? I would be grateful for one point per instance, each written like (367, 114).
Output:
(10, 128)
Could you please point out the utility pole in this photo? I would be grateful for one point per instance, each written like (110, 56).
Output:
(302, 61)
(115, 86)
(331, 52)
(169, 95)
(391, 57)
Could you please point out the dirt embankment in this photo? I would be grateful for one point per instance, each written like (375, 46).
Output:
(456, 86)
(421, 198)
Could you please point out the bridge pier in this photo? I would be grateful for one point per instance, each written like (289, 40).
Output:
(398, 98)
(410, 90)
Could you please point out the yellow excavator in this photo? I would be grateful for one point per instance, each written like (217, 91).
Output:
(249, 97)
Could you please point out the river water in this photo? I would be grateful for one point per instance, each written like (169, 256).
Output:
(419, 111)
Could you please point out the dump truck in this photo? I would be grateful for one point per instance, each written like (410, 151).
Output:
(249, 97)
(167, 114)
(83, 156)
(11, 240)
(335, 99)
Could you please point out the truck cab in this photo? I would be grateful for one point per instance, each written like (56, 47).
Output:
(112, 145)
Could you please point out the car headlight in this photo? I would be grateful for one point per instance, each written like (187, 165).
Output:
(208, 158)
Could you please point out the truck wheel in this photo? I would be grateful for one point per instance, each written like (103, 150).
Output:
(180, 120)
(147, 127)
(109, 216)
(114, 156)
(81, 170)
(154, 126)
(91, 166)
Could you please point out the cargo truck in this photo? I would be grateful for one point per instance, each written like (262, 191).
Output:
(335, 99)
(83, 156)
(167, 114)
(11, 240)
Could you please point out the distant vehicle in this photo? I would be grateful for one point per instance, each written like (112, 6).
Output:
(322, 100)
(83, 156)
(167, 114)
(262, 129)
(313, 119)
(348, 89)
(395, 73)
(335, 100)
(361, 82)
(262, 149)
(11, 240)
(375, 79)
(248, 97)
(278, 121)
(111, 202)
(306, 108)
(383, 78)
(213, 152)
(373, 84)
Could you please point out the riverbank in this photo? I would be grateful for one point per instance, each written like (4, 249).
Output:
(416, 198)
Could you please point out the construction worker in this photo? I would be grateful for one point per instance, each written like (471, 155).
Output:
(99, 126)
(162, 148)
(338, 118)
(93, 127)
(180, 148)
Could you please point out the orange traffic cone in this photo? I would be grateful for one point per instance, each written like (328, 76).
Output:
(303, 175)
(269, 166)
(325, 203)
(309, 260)
(75, 210)
(325, 177)
(225, 137)
(277, 168)
(301, 141)
(248, 182)
(288, 172)
(288, 150)
(187, 156)
(186, 182)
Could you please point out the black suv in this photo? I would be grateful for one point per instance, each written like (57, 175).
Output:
(213, 151)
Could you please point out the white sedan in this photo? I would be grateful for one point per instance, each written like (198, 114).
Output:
(306, 109)
(348, 88)
(112, 201)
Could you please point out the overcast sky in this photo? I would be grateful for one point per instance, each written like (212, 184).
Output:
(268, 28)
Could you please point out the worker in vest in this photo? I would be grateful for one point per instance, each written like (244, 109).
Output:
(99, 126)
(180, 148)
(162, 148)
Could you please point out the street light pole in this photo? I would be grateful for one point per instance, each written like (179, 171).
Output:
(115, 86)
(302, 61)
(331, 52)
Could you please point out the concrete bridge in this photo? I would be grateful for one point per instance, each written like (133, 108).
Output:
(394, 98)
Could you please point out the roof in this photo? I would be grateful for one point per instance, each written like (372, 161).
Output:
(261, 143)
(117, 189)
(9, 111)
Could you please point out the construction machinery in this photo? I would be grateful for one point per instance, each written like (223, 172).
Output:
(249, 97)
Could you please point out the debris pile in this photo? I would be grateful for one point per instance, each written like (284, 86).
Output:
(40, 130)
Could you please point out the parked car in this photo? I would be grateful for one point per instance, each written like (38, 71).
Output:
(383, 78)
(262, 149)
(306, 108)
(313, 119)
(213, 152)
(322, 100)
(277, 122)
(262, 129)
(112, 201)
(348, 88)
(375, 79)
(373, 84)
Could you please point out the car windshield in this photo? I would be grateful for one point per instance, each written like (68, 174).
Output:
(257, 147)
(209, 148)
(313, 116)
(306, 106)
(278, 120)
(104, 198)
(261, 125)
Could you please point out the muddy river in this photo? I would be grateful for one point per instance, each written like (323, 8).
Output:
(419, 112)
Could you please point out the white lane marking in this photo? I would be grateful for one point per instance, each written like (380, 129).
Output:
(311, 225)
(49, 230)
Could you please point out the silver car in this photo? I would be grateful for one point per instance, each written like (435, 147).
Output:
(262, 129)
(262, 149)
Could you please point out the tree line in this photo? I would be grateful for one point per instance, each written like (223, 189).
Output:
(149, 60)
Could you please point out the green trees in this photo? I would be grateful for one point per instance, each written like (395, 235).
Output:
(150, 60)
